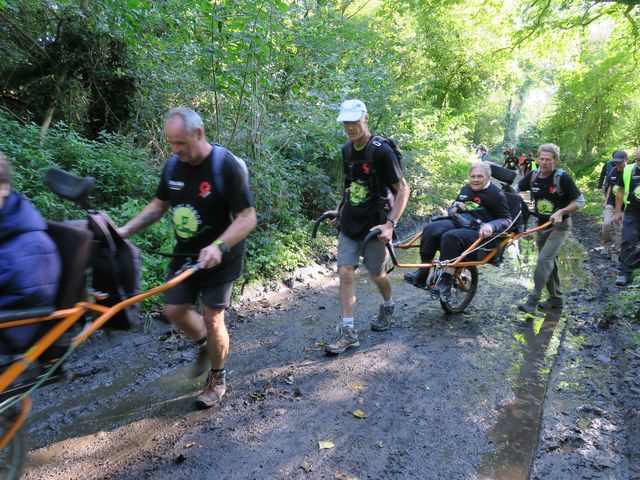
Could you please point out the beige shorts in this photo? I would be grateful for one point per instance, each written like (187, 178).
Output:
(374, 258)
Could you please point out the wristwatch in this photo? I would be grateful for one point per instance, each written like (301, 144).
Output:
(393, 222)
(222, 246)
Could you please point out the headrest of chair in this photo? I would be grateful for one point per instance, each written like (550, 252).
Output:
(502, 174)
(67, 185)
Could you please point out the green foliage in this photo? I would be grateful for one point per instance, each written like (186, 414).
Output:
(117, 166)
(624, 305)
(268, 77)
(272, 251)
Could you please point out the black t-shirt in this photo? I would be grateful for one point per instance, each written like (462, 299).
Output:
(545, 195)
(489, 205)
(200, 213)
(361, 208)
(511, 162)
(634, 190)
(612, 182)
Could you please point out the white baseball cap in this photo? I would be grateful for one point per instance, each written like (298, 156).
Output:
(351, 111)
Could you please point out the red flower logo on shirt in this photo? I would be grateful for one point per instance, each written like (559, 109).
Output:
(552, 189)
(477, 200)
(365, 168)
(205, 189)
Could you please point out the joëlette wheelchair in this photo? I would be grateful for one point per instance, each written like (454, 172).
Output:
(489, 251)
(77, 241)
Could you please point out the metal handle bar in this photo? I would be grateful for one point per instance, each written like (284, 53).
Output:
(319, 220)
(370, 236)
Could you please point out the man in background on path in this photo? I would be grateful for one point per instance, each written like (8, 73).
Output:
(628, 199)
(610, 229)
(211, 218)
(372, 172)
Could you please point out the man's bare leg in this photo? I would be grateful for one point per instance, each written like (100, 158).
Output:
(217, 337)
(383, 284)
(347, 291)
(187, 320)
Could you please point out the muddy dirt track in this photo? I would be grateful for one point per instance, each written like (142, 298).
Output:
(491, 393)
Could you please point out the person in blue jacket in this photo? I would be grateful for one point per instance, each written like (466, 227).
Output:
(29, 261)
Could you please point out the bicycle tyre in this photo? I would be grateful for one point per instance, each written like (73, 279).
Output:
(461, 297)
(14, 454)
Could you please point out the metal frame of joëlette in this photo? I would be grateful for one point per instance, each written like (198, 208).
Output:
(413, 242)
(67, 318)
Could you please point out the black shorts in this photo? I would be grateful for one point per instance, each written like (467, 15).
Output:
(213, 296)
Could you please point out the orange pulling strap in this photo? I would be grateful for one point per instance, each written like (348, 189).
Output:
(19, 366)
(106, 316)
(22, 416)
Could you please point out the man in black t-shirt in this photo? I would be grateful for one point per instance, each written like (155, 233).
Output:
(211, 218)
(368, 182)
(555, 196)
(528, 164)
(510, 160)
(610, 229)
(628, 199)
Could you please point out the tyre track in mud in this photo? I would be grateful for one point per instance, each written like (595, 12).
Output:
(435, 388)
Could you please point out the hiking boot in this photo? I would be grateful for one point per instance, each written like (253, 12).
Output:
(622, 280)
(529, 306)
(201, 363)
(418, 278)
(384, 319)
(214, 389)
(432, 289)
(552, 302)
(348, 338)
(444, 286)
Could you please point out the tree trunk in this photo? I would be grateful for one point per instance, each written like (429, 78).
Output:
(48, 115)
(513, 114)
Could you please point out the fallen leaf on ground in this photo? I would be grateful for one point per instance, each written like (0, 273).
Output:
(325, 444)
(289, 379)
(359, 414)
(190, 444)
(356, 387)
(380, 444)
(344, 476)
(319, 343)
(257, 396)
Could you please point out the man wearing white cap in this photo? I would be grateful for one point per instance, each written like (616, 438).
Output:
(372, 174)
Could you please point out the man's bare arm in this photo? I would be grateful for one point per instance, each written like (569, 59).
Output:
(402, 198)
(149, 215)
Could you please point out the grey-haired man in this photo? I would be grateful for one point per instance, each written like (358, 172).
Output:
(211, 220)
(372, 171)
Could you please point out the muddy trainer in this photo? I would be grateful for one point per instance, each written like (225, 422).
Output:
(372, 174)
(212, 210)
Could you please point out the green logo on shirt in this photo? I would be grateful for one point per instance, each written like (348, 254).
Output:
(636, 192)
(544, 206)
(357, 193)
(185, 221)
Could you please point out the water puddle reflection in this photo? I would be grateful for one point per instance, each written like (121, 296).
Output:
(516, 430)
(515, 433)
